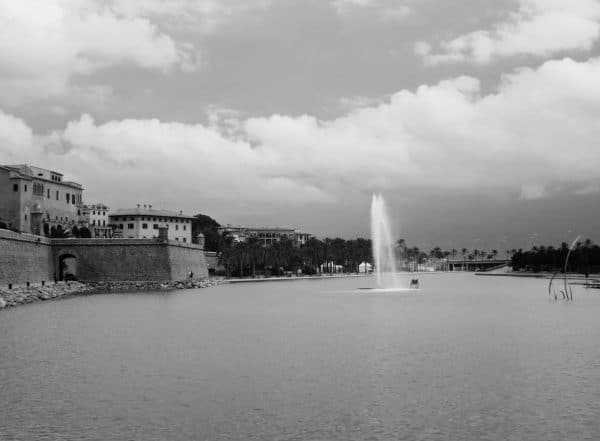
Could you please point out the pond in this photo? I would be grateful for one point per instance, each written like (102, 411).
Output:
(464, 358)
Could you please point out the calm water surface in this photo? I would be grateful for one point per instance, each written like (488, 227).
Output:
(466, 358)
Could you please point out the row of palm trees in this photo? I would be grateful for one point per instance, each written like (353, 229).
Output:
(585, 258)
(249, 258)
(404, 252)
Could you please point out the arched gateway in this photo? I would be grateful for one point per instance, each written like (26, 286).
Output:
(67, 267)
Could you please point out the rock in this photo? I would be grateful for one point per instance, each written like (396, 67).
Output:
(2, 303)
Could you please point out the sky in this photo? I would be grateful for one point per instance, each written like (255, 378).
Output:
(478, 120)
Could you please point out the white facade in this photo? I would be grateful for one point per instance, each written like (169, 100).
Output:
(265, 235)
(36, 200)
(143, 223)
(95, 217)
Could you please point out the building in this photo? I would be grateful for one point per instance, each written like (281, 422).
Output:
(143, 223)
(265, 235)
(95, 218)
(36, 200)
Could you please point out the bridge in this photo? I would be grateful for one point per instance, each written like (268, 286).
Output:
(475, 264)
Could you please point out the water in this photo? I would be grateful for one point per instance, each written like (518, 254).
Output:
(466, 358)
(383, 245)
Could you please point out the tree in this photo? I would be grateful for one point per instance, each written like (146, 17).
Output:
(226, 254)
(253, 248)
(209, 228)
(59, 233)
(436, 253)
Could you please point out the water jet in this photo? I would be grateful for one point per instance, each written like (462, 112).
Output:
(386, 272)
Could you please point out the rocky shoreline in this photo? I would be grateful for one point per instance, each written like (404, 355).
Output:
(35, 293)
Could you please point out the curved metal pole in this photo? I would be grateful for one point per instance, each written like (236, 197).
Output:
(566, 263)
(550, 284)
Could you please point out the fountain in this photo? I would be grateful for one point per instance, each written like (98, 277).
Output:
(383, 246)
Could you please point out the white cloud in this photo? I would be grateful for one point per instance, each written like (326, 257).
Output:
(16, 138)
(537, 133)
(539, 28)
(194, 15)
(533, 191)
(385, 9)
(44, 43)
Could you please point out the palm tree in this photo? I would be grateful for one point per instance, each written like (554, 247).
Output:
(226, 254)
(253, 247)
(464, 252)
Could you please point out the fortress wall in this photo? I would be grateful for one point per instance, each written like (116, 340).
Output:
(131, 259)
(24, 258)
(115, 259)
(185, 257)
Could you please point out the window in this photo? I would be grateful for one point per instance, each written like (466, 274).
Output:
(25, 217)
(145, 226)
(57, 195)
(25, 187)
(48, 193)
(94, 222)
(130, 226)
(103, 223)
(94, 213)
(184, 239)
(68, 197)
(155, 226)
(15, 187)
(184, 228)
(177, 239)
(120, 226)
(177, 227)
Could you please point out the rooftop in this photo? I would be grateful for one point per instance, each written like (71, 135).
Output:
(241, 227)
(245, 228)
(25, 171)
(139, 211)
(95, 207)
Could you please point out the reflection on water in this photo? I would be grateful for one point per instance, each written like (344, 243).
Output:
(465, 358)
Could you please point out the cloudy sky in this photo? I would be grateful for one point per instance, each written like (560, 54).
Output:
(479, 120)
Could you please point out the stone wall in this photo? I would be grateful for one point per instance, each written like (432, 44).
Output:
(184, 258)
(114, 259)
(24, 258)
(131, 259)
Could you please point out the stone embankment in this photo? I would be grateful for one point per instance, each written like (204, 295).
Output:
(35, 293)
